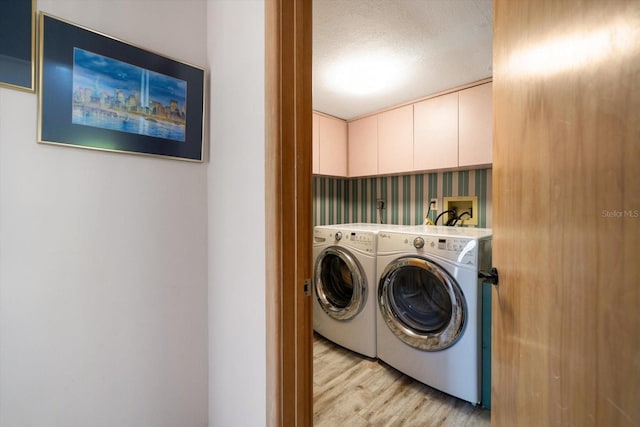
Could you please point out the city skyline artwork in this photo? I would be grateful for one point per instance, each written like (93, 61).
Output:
(115, 95)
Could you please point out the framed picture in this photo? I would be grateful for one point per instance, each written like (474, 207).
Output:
(17, 44)
(101, 93)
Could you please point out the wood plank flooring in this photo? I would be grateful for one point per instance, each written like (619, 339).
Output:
(350, 390)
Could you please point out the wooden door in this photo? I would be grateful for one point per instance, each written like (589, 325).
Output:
(566, 318)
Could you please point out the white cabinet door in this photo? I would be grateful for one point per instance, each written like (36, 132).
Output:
(315, 148)
(395, 140)
(333, 146)
(476, 126)
(363, 146)
(436, 133)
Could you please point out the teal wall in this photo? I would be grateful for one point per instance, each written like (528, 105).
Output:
(340, 201)
(486, 345)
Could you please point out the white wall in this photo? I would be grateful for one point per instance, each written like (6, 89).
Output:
(237, 220)
(103, 257)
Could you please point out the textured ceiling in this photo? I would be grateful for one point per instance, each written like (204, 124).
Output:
(441, 43)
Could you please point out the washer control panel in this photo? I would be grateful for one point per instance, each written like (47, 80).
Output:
(459, 249)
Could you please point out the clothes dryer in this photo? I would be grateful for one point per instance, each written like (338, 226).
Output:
(429, 305)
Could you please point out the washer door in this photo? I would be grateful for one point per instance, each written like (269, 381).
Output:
(339, 283)
(422, 304)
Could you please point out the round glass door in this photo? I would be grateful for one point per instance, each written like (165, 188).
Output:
(421, 304)
(339, 284)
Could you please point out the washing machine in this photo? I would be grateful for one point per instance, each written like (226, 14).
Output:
(429, 323)
(344, 285)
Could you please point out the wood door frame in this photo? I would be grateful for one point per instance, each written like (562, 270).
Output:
(289, 228)
(289, 224)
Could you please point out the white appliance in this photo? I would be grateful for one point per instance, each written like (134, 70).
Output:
(344, 285)
(429, 305)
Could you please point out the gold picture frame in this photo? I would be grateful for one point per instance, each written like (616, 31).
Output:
(18, 44)
(102, 93)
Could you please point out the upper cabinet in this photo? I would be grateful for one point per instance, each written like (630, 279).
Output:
(329, 146)
(315, 147)
(363, 146)
(435, 137)
(395, 140)
(444, 132)
(476, 126)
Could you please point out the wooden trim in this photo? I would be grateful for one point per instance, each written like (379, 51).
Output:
(433, 95)
(289, 213)
(320, 113)
(272, 215)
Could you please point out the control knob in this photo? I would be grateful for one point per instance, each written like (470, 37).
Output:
(418, 243)
(338, 235)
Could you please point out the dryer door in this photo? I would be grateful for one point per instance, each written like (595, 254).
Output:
(339, 283)
(421, 303)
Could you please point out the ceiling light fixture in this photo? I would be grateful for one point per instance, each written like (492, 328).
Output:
(366, 74)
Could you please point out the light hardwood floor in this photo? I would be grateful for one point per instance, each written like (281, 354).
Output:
(350, 390)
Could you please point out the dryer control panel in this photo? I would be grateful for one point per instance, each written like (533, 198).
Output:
(362, 240)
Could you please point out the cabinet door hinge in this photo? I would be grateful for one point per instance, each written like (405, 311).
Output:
(307, 287)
